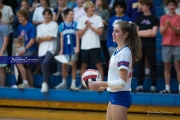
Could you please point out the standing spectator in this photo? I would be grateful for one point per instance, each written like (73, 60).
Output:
(27, 31)
(170, 29)
(79, 10)
(166, 10)
(38, 19)
(120, 8)
(38, 16)
(12, 3)
(90, 27)
(104, 12)
(46, 37)
(4, 39)
(134, 9)
(62, 5)
(148, 26)
(69, 46)
(25, 6)
(35, 4)
(7, 19)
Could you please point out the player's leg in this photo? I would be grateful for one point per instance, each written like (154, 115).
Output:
(119, 112)
(108, 113)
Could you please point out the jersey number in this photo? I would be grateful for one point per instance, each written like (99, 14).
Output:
(68, 39)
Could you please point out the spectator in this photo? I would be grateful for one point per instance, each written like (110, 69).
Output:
(26, 30)
(148, 26)
(4, 39)
(71, 4)
(25, 6)
(62, 5)
(89, 28)
(170, 29)
(69, 46)
(12, 3)
(19, 43)
(79, 10)
(166, 10)
(134, 9)
(38, 17)
(104, 12)
(7, 19)
(120, 8)
(46, 37)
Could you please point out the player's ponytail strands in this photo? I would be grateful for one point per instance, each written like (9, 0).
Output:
(132, 40)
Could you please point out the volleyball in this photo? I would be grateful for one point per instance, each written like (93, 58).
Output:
(89, 76)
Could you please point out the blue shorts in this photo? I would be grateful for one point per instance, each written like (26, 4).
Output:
(122, 98)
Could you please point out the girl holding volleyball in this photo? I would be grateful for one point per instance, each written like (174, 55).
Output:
(120, 70)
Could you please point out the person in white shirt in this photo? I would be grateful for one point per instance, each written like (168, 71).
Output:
(46, 37)
(79, 10)
(38, 13)
(120, 70)
(89, 28)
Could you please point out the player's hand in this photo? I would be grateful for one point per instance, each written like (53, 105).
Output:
(101, 89)
(94, 86)
(168, 24)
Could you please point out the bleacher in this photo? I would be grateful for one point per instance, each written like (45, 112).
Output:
(92, 100)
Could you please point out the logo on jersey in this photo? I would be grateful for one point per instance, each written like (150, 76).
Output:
(24, 35)
(146, 22)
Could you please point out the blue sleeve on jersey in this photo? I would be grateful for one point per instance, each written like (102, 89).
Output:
(60, 27)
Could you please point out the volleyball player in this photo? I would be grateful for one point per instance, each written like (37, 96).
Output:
(120, 70)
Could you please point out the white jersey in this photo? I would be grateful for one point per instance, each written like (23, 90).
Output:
(121, 59)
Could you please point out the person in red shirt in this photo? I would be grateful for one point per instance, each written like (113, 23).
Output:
(170, 30)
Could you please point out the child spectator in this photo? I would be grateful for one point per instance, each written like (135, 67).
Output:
(148, 26)
(3, 50)
(69, 46)
(19, 43)
(46, 37)
(89, 28)
(120, 8)
(170, 29)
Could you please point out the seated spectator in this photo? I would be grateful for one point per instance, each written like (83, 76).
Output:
(46, 37)
(69, 47)
(26, 30)
(104, 12)
(170, 29)
(7, 19)
(148, 26)
(120, 8)
(4, 39)
(25, 6)
(134, 9)
(166, 10)
(89, 28)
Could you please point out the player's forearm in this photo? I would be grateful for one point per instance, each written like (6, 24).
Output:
(147, 33)
(176, 30)
(31, 42)
(104, 84)
(47, 38)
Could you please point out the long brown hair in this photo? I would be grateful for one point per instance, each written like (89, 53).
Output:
(132, 40)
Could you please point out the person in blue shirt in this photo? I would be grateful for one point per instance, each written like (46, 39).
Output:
(134, 10)
(27, 31)
(120, 8)
(24, 5)
(69, 47)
